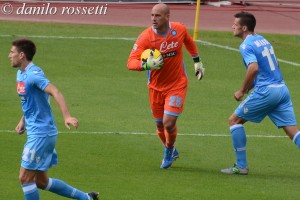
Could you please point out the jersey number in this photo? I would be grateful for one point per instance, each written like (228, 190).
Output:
(175, 101)
(28, 155)
(268, 53)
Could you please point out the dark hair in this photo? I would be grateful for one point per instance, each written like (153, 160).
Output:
(246, 19)
(26, 46)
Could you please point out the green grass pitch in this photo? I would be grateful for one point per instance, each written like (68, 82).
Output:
(88, 64)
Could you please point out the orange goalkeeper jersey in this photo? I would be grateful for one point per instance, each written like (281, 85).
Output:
(173, 73)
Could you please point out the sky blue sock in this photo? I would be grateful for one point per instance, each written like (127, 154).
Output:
(239, 143)
(31, 192)
(296, 139)
(61, 188)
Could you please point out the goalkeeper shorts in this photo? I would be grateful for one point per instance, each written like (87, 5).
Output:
(169, 102)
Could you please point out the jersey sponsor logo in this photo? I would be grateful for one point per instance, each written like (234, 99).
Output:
(21, 88)
(165, 46)
(169, 54)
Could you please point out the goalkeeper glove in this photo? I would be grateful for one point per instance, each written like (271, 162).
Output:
(153, 63)
(199, 68)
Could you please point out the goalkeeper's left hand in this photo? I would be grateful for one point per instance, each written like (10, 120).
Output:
(199, 68)
(153, 63)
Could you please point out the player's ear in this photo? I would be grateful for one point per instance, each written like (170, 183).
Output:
(168, 16)
(244, 28)
(21, 55)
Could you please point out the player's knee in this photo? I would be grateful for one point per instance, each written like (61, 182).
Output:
(41, 180)
(25, 179)
(41, 184)
(169, 126)
(234, 119)
(231, 121)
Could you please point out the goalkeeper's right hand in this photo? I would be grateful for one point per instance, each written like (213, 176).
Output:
(153, 63)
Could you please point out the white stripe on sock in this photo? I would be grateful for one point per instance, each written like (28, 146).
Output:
(88, 196)
(294, 138)
(29, 188)
(49, 184)
(235, 126)
(241, 149)
(73, 192)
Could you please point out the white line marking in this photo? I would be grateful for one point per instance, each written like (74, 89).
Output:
(71, 37)
(141, 133)
(133, 39)
(233, 49)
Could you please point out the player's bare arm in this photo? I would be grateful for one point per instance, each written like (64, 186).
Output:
(60, 100)
(249, 78)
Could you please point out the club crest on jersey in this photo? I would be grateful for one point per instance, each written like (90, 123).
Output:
(174, 33)
(21, 88)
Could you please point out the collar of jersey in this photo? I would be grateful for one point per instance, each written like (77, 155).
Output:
(164, 34)
(28, 66)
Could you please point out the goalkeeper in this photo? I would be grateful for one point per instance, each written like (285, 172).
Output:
(167, 78)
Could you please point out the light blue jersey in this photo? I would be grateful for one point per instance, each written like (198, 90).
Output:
(256, 48)
(37, 113)
(270, 96)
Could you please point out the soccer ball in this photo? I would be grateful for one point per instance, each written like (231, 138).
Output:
(146, 54)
